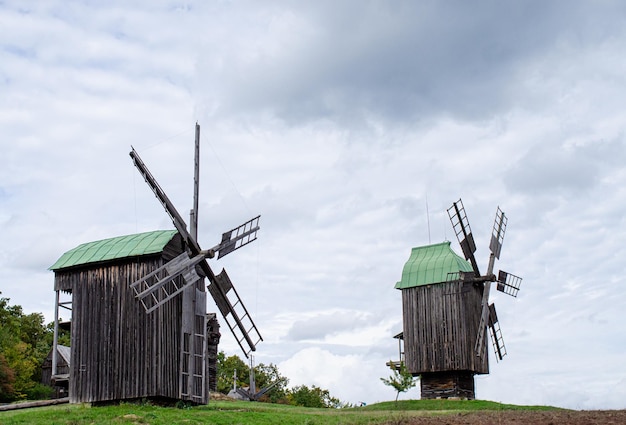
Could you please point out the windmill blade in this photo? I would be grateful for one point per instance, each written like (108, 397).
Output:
(177, 219)
(238, 328)
(508, 283)
(496, 334)
(497, 234)
(463, 233)
(163, 284)
(237, 237)
(234, 312)
(497, 237)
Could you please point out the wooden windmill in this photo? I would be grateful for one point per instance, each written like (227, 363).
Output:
(446, 310)
(138, 307)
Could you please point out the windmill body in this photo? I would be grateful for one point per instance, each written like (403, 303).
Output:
(440, 315)
(118, 352)
(446, 315)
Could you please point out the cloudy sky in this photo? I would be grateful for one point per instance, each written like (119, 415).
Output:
(350, 126)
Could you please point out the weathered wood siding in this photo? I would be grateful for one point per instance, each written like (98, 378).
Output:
(118, 350)
(46, 369)
(440, 324)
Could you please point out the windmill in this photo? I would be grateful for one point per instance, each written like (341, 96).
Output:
(445, 311)
(506, 282)
(185, 273)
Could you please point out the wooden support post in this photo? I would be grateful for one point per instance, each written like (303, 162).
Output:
(55, 338)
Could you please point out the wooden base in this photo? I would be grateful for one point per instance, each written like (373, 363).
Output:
(456, 384)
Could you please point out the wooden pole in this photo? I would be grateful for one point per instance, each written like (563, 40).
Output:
(55, 338)
(189, 294)
(196, 186)
(38, 403)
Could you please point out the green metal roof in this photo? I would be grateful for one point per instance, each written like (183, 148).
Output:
(115, 248)
(431, 264)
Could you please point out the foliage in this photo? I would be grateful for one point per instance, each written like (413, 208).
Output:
(24, 365)
(401, 379)
(7, 379)
(266, 375)
(24, 344)
(226, 367)
(312, 397)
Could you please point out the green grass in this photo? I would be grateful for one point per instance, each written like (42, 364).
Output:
(227, 413)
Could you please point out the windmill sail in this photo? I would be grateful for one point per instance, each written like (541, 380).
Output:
(497, 235)
(508, 283)
(178, 221)
(463, 233)
(238, 237)
(234, 312)
(167, 281)
(496, 334)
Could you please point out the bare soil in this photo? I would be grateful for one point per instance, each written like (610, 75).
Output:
(519, 417)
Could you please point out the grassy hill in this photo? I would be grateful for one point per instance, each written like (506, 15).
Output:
(233, 412)
(450, 405)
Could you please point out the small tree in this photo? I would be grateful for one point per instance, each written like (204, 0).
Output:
(312, 397)
(401, 380)
(24, 344)
(226, 367)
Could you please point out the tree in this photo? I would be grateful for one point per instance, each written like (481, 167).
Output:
(401, 380)
(20, 359)
(24, 344)
(266, 375)
(312, 397)
(226, 367)
(7, 378)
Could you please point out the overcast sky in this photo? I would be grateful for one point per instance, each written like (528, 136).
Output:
(342, 123)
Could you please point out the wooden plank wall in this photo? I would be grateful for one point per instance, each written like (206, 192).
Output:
(440, 327)
(46, 368)
(118, 350)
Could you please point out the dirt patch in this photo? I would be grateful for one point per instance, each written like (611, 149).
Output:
(513, 417)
